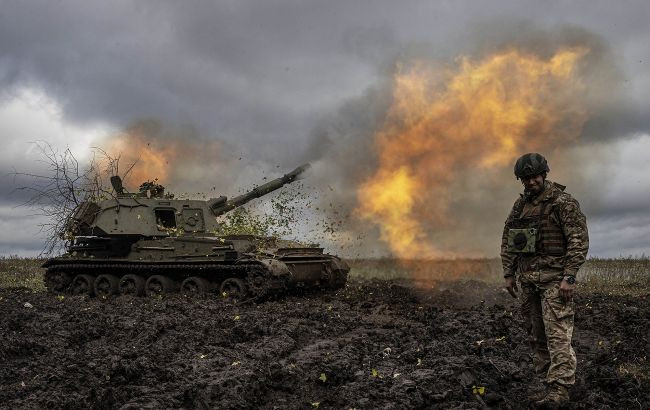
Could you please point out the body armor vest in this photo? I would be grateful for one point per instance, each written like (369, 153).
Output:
(538, 232)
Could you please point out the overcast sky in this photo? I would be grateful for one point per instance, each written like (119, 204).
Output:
(262, 77)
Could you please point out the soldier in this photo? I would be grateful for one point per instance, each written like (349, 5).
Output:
(544, 243)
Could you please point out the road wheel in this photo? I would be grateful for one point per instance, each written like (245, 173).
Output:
(132, 285)
(160, 285)
(57, 281)
(106, 285)
(83, 285)
(195, 286)
(233, 289)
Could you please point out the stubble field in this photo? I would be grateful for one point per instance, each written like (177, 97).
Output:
(451, 338)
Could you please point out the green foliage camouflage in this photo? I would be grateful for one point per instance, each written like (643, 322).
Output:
(247, 220)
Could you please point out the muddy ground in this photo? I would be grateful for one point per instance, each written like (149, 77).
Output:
(371, 345)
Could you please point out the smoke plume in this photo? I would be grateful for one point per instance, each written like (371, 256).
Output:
(422, 163)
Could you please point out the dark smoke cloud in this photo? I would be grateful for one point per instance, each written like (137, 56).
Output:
(262, 72)
(479, 204)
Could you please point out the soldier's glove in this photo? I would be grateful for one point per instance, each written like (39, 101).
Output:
(511, 286)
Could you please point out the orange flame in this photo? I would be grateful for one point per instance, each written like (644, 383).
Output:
(152, 159)
(161, 154)
(481, 117)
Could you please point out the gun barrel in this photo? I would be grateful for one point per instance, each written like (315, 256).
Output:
(221, 207)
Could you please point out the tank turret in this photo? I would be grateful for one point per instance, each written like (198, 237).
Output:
(152, 213)
(149, 242)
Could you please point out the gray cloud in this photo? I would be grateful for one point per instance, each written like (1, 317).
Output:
(259, 71)
(280, 82)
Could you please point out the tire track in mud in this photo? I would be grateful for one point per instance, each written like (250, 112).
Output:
(371, 345)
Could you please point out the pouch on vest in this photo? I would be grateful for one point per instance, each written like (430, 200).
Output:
(522, 240)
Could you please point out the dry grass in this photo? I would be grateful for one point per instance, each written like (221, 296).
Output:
(629, 276)
(615, 276)
(21, 272)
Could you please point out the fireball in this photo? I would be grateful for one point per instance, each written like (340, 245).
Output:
(478, 115)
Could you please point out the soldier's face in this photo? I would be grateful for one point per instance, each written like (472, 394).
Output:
(533, 184)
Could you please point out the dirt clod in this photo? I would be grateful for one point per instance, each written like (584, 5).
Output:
(371, 345)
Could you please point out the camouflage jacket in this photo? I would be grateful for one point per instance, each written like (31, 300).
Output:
(562, 213)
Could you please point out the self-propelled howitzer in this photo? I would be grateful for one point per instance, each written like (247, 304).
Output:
(151, 243)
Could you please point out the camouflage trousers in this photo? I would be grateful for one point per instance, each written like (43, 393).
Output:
(549, 323)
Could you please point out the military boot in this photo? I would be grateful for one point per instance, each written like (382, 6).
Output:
(557, 394)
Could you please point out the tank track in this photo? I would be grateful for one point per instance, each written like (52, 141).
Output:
(259, 281)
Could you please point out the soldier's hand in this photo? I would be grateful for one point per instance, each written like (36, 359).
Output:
(511, 286)
(566, 290)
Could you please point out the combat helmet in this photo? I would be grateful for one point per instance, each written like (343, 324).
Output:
(530, 164)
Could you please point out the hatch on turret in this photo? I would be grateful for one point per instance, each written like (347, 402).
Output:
(192, 220)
